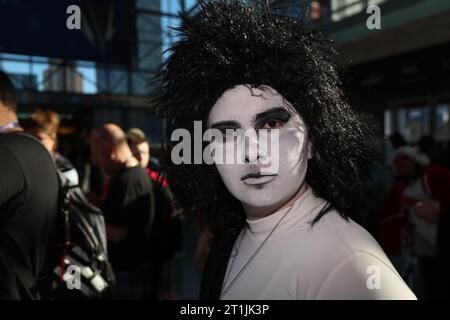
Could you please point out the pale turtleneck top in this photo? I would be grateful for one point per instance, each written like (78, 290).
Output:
(332, 259)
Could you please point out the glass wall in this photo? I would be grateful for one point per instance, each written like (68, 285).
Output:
(153, 20)
(413, 123)
(442, 123)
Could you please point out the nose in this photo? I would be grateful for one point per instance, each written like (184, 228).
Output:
(251, 148)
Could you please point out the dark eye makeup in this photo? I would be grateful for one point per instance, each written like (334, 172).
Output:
(272, 118)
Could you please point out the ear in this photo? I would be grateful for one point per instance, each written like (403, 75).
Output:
(310, 149)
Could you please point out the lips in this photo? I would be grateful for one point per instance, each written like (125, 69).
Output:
(256, 178)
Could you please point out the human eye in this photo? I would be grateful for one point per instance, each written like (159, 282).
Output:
(274, 118)
(273, 124)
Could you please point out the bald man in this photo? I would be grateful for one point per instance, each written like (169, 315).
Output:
(128, 205)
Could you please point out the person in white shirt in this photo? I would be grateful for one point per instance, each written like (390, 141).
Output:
(282, 208)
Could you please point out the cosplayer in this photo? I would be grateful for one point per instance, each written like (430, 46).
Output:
(288, 234)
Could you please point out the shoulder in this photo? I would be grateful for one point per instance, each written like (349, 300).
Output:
(27, 167)
(135, 180)
(436, 170)
(19, 138)
(338, 238)
(24, 147)
(436, 177)
(141, 177)
(133, 173)
(29, 154)
(339, 254)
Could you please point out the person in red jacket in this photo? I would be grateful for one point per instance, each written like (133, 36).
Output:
(413, 210)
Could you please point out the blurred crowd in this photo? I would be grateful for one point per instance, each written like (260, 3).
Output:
(108, 170)
(414, 225)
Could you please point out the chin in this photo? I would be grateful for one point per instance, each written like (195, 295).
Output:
(259, 201)
(265, 198)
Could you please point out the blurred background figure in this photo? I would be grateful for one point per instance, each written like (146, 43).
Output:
(44, 126)
(129, 208)
(411, 216)
(167, 224)
(140, 146)
(315, 8)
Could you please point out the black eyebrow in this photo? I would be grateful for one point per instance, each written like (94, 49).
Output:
(276, 112)
(231, 124)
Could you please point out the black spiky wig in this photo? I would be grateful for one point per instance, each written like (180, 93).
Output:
(228, 43)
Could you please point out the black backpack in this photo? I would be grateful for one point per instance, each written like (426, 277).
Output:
(77, 264)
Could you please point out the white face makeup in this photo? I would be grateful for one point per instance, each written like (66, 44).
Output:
(248, 108)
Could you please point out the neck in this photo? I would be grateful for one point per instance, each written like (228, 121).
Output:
(8, 116)
(254, 213)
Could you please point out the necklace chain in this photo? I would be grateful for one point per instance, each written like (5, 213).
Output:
(232, 283)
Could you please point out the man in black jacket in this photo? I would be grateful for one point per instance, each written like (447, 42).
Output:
(28, 202)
